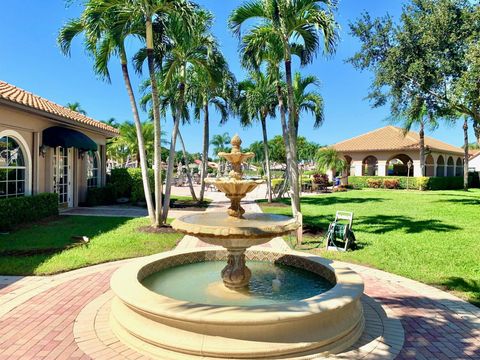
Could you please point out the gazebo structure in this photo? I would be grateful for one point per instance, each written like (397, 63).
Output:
(388, 151)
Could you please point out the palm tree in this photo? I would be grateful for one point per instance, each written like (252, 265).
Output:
(215, 87)
(194, 55)
(329, 159)
(76, 107)
(147, 11)
(257, 100)
(417, 115)
(105, 37)
(295, 24)
(306, 100)
(220, 143)
(128, 139)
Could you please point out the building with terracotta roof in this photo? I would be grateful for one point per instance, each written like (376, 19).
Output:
(389, 151)
(46, 147)
(474, 161)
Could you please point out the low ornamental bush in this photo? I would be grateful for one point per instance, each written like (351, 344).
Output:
(25, 209)
(128, 183)
(474, 179)
(391, 184)
(374, 183)
(320, 179)
(106, 195)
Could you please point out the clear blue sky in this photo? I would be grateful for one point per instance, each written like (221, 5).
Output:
(31, 59)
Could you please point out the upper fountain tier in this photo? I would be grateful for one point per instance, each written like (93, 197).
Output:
(234, 186)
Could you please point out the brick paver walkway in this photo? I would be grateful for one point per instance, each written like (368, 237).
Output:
(38, 315)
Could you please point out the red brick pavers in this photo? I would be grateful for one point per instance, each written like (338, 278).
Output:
(42, 327)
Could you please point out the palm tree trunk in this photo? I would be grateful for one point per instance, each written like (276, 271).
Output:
(267, 158)
(141, 143)
(294, 177)
(189, 176)
(169, 176)
(465, 155)
(206, 141)
(422, 147)
(283, 121)
(171, 156)
(157, 126)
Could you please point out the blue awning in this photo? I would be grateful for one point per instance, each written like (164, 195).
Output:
(60, 136)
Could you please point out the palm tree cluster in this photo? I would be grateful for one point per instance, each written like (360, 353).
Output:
(188, 75)
(280, 31)
(185, 67)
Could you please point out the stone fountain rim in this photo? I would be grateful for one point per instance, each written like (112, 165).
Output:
(127, 287)
(229, 232)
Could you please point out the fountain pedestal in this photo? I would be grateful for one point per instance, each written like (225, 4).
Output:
(236, 274)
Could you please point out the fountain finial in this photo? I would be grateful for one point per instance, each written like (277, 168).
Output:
(236, 142)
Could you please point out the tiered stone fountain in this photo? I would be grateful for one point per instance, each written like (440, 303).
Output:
(158, 310)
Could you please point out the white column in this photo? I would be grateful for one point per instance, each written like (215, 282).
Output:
(417, 170)
(382, 168)
(358, 168)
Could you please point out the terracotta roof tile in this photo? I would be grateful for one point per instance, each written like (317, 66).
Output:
(19, 96)
(392, 138)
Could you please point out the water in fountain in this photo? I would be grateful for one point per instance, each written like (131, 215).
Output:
(206, 286)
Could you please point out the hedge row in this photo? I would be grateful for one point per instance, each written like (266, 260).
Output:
(419, 183)
(25, 209)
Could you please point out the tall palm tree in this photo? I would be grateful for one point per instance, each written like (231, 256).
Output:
(257, 101)
(129, 140)
(205, 93)
(294, 24)
(76, 107)
(194, 54)
(417, 115)
(104, 38)
(146, 11)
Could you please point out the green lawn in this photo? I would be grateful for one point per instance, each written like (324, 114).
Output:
(432, 236)
(111, 238)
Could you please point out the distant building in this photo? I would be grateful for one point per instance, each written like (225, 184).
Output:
(45, 147)
(388, 151)
(474, 161)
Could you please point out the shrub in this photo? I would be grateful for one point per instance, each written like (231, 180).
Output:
(25, 209)
(320, 179)
(374, 183)
(445, 183)
(340, 188)
(391, 184)
(128, 183)
(474, 179)
(422, 183)
(101, 196)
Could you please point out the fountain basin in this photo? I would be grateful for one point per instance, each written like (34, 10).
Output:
(169, 328)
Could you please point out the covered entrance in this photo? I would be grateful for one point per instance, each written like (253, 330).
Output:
(64, 141)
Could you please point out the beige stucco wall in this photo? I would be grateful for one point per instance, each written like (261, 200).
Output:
(28, 127)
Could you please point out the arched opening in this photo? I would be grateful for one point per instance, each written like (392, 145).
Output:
(459, 167)
(370, 166)
(93, 170)
(14, 165)
(348, 168)
(450, 167)
(398, 165)
(429, 166)
(440, 166)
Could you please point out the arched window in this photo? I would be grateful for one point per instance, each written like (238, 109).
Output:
(12, 168)
(450, 167)
(429, 166)
(92, 169)
(370, 166)
(440, 166)
(459, 167)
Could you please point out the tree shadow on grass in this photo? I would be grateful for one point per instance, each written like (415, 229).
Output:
(380, 224)
(465, 201)
(464, 285)
(332, 200)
